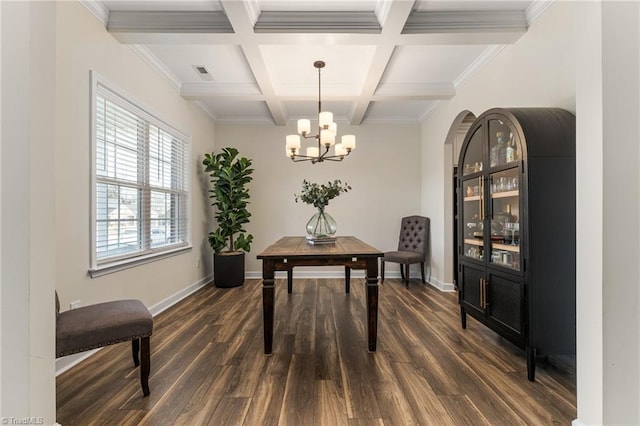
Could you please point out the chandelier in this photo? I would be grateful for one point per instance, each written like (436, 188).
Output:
(325, 138)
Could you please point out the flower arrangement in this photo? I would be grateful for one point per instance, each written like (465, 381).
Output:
(319, 195)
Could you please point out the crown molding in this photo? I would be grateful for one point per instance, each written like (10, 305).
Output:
(430, 109)
(206, 110)
(152, 60)
(317, 22)
(169, 21)
(421, 22)
(382, 10)
(484, 58)
(536, 9)
(253, 9)
(98, 10)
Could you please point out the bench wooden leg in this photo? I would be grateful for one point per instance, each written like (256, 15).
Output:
(145, 366)
(135, 349)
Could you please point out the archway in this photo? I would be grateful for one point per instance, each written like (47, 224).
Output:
(452, 146)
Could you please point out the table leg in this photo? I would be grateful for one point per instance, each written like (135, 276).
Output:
(372, 303)
(347, 279)
(289, 280)
(268, 293)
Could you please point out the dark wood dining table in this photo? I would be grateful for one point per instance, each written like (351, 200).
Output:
(289, 252)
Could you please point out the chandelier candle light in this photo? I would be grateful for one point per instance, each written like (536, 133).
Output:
(326, 136)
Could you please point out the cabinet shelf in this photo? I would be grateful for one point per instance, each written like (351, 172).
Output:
(473, 242)
(505, 194)
(473, 198)
(506, 247)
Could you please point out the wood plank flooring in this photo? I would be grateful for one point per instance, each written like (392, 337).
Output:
(208, 365)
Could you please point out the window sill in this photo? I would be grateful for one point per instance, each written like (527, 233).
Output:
(109, 268)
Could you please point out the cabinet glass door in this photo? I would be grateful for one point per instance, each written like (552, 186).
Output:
(472, 215)
(473, 155)
(503, 147)
(505, 218)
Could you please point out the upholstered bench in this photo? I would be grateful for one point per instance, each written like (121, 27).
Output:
(104, 324)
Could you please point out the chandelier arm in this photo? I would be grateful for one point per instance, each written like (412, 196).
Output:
(319, 96)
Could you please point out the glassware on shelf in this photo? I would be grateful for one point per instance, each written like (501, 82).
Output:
(498, 154)
(512, 227)
(510, 151)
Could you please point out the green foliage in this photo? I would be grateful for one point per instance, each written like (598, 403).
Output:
(229, 177)
(319, 195)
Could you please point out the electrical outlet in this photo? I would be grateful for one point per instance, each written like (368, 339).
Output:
(197, 263)
(74, 305)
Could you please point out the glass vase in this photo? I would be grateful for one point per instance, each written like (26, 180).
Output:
(321, 225)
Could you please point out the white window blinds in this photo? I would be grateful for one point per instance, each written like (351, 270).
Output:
(141, 181)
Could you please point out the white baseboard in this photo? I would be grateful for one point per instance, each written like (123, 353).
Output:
(577, 422)
(66, 362)
(446, 287)
(176, 297)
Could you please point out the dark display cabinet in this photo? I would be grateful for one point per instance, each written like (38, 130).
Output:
(516, 228)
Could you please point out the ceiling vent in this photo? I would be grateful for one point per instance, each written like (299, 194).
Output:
(203, 72)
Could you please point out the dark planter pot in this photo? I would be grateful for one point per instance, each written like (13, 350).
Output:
(228, 269)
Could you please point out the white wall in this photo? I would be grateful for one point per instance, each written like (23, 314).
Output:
(539, 70)
(589, 217)
(28, 237)
(384, 172)
(621, 211)
(82, 45)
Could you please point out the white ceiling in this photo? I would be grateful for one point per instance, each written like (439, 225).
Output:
(386, 60)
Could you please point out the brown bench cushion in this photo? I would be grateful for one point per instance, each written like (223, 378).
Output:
(102, 324)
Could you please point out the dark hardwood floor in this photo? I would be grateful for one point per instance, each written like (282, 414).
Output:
(208, 365)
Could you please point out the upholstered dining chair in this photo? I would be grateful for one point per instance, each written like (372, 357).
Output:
(412, 247)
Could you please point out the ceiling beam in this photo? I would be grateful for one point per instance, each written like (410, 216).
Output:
(395, 19)
(242, 21)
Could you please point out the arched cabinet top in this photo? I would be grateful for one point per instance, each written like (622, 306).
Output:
(534, 132)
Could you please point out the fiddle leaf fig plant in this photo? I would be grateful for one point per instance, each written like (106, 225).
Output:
(229, 178)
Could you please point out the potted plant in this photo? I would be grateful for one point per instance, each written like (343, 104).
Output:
(229, 177)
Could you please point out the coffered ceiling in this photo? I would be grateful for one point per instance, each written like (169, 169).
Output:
(252, 60)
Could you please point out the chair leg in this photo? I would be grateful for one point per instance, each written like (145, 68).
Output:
(402, 272)
(424, 281)
(135, 349)
(145, 366)
(381, 271)
(406, 274)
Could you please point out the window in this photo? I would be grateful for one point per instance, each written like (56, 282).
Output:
(140, 190)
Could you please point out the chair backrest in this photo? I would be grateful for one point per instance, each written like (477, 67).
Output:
(414, 234)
